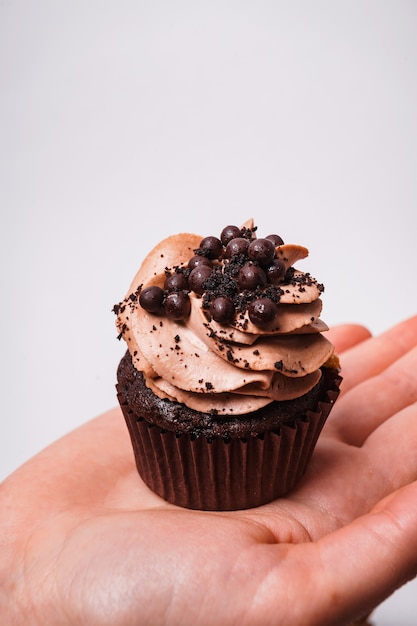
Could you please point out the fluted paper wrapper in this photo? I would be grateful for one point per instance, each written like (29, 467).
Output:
(221, 475)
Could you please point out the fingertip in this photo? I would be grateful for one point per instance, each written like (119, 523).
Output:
(345, 336)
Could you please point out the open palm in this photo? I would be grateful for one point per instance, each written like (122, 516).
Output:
(84, 542)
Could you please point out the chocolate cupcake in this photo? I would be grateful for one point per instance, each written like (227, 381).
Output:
(227, 380)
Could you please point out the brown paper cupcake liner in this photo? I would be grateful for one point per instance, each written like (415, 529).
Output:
(219, 474)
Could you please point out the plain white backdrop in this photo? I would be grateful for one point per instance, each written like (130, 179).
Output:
(124, 122)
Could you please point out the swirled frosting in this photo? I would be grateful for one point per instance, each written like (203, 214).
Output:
(226, 368)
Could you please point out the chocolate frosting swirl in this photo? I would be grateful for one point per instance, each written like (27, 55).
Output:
(228, 369)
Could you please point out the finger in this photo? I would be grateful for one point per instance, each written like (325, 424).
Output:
(391, 449)
(358, 413)
(372, 356)
(367, 560)
(346, 336)
(346, 481)
(357, 566)
(351, 480)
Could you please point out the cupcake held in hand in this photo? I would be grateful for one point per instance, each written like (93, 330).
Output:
(227, 380)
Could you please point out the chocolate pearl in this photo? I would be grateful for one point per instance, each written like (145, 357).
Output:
(222, 310)
(198, 277)
(176, 282)
(211, 247)
(251, 276)
(275, 272)
(276, 240)
(239, 245)
(199, 260)
(151, 299)
(177, 305)
(262, 311)
(228, 233)
(261, 250)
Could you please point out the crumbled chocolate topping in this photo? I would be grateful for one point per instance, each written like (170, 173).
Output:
(123, 329)
(230, 274)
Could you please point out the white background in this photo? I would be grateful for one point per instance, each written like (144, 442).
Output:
(122, 122)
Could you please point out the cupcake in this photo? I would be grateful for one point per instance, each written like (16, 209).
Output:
(228, 379)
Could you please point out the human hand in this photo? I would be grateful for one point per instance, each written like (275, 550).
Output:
(84, 541)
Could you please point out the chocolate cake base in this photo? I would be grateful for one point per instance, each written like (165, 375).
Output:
(203, 461)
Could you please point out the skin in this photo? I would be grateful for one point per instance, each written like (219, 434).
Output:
(84, 542)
